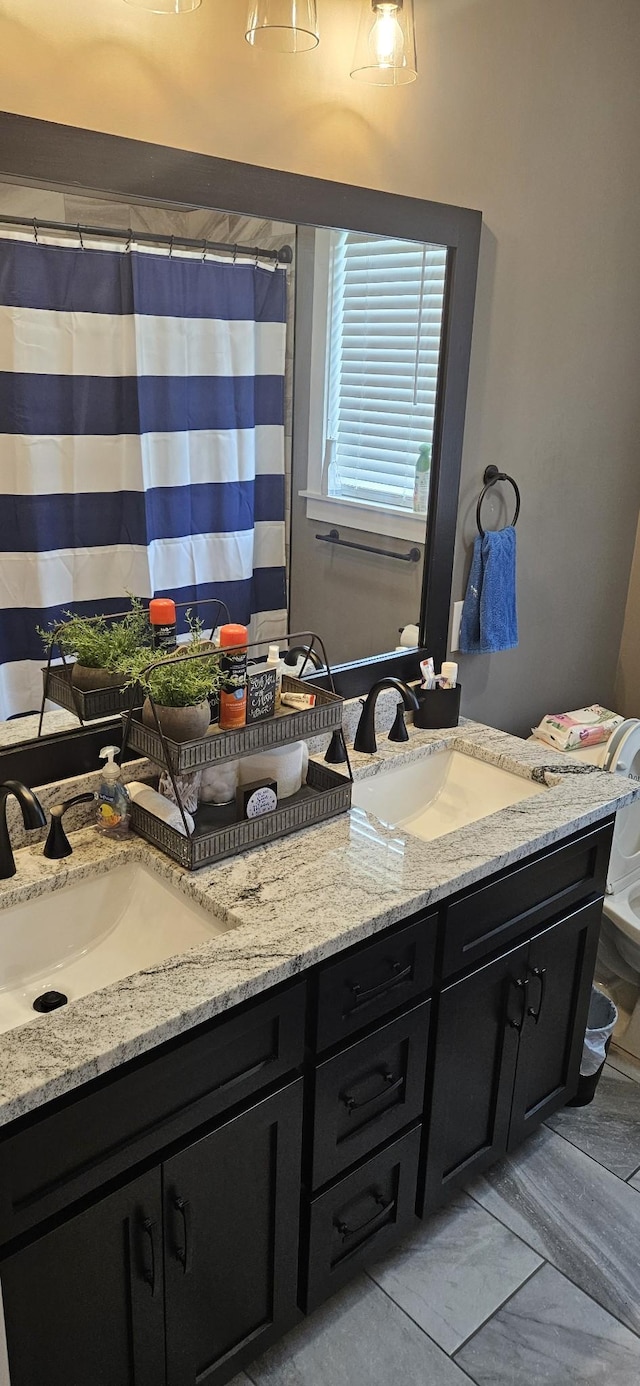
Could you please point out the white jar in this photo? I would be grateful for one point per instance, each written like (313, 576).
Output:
(286, 764)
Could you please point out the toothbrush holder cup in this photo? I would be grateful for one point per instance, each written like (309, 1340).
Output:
(439, 707)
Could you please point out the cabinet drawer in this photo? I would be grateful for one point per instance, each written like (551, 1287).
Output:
(57, 1158)
(361, 1217)
(369, 1092)
(373, 981)
(504, 910)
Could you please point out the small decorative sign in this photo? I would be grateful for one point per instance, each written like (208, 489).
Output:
(261, 694)
(257, 798)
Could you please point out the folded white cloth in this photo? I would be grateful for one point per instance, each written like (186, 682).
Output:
(148, 798)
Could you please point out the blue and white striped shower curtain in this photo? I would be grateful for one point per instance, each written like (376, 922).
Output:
(141, 440)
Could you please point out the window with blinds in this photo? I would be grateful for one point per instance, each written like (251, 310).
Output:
(385, 318)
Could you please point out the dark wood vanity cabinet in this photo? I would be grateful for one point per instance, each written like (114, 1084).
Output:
(84, 1303)
(200, 1252)
(508, 1046)
(165, 1224)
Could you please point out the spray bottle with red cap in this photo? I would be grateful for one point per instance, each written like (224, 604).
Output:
(164, 626)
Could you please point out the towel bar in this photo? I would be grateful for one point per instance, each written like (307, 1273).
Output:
(333, 537)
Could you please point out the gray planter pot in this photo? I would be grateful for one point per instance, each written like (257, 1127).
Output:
(91, 680)
(179, 723)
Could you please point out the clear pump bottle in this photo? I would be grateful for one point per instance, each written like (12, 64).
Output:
(113, 802)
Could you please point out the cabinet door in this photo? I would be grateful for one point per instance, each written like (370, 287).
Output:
(232, 1204)
(84, 1303)
(559, 974)
(476, 1050)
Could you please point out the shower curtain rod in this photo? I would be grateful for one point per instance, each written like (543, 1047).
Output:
(283, 256)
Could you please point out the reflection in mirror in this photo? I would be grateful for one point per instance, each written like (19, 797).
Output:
(150, 394)
(368, 339)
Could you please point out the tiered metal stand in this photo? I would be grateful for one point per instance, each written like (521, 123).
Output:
(325, 794)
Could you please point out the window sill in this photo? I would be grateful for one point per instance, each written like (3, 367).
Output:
(369, 519)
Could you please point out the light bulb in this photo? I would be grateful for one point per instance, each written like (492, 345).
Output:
(386, 44)
(386, 41)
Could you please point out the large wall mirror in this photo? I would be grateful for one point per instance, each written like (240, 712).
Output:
(224, 382)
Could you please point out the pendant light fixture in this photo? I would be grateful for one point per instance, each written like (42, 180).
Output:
(166, 6)
(285, 26)
(386, 47)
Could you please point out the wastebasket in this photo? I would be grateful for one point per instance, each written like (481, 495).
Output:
(601, 1021)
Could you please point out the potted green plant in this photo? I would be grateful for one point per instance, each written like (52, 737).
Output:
(180, 688)
(101, 649)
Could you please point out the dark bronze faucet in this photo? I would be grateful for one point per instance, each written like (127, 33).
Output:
(33, 816)
(366, 734)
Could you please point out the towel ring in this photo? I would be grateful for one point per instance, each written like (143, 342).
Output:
(490, 477)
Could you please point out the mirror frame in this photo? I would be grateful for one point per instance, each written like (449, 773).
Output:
(90, 163)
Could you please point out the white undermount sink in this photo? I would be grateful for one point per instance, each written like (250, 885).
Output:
(82, 937)
(439, 793)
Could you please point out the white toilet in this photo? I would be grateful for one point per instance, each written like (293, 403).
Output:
(618, 967)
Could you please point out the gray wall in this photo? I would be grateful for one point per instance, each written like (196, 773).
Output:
(554, 392)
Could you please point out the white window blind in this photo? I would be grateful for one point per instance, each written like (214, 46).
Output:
(385, 320)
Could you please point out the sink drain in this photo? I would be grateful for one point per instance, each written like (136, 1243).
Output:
(50, 1001)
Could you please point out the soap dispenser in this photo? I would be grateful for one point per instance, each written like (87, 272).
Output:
(114, 804)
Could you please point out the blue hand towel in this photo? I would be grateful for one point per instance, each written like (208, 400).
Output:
(489, 616)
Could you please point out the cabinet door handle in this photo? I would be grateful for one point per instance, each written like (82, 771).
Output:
(522, 984)
(371, 1225)
(184, 1252)
(391, 1084)
(149, 1271)
(246, 1074)
(541, 974)
(364, 998)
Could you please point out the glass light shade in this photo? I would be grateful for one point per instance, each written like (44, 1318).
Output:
(283, 26)
(166, 6)
(386, 47)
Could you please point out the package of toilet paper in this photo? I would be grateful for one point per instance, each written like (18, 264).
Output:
(587, 726)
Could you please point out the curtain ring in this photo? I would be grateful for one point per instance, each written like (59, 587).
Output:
(171, 247)
(80, 236)
(204, 251)
(35, 231)
(235, 253)
(129, 240)
(257, 265)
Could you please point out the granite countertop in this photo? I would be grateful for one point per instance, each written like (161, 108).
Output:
(288, 906)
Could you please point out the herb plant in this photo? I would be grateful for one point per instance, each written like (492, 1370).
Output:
(98, 643)
(174, 683)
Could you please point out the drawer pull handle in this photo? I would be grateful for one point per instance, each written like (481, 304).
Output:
(149, 1273)
(391, 1084)
(371, 1225)
(364, 998)
(541, 974)
(183, 1252)
(522, 984)
(246, 1074)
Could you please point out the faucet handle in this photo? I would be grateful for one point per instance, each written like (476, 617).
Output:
(57, 844)
(399, 731)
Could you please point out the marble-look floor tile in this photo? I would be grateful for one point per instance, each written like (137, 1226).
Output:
(360, 1338)
(624, 1063)
(240, 1380)
(573, 1212)
(551, 1334)
(635, 1182)
(608, 1129)
(455, 1271)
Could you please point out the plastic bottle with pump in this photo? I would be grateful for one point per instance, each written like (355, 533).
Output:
(274, 661)
(113, 802)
